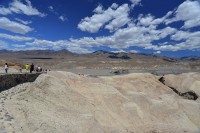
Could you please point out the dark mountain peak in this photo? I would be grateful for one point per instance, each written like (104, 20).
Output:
(3, 51)
(169, 59)
(190, 58)
(64, 51)
(124, 57)
(102, 52)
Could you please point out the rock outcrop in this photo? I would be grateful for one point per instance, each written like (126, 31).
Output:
(186, 84)
(189, 94)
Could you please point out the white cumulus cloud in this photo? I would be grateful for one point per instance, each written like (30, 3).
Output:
(135, 2)
(51, 8)
(113, 18)
(63, 18)
(23, 22)
(3, 45)
(15, 38)
(13, 26)
(189, 13)
(16, 6)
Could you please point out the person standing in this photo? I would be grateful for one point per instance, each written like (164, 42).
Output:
(6, 67)
(27, 68)
(31, 68)
(20, 69)
(38, 69)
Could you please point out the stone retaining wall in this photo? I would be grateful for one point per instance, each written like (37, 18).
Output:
(10, 80)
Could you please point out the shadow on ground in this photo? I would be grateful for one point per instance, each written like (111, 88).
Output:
(10, 80)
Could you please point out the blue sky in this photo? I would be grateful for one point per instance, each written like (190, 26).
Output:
(165, 27)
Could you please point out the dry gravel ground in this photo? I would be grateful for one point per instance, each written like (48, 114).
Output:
(10, 70)
(61, 102)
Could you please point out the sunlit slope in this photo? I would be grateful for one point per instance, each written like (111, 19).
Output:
(60, 102)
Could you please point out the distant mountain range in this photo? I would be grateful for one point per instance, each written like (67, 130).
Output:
(39, 52)
(100, 53)
(191, 58)
(123, 55)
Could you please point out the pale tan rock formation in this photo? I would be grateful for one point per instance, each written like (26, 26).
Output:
(61, 102)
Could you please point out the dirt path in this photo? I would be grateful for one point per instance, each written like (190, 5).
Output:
(6, 119)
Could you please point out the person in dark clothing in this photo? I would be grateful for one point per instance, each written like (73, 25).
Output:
(31, 68)
(6, 67)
